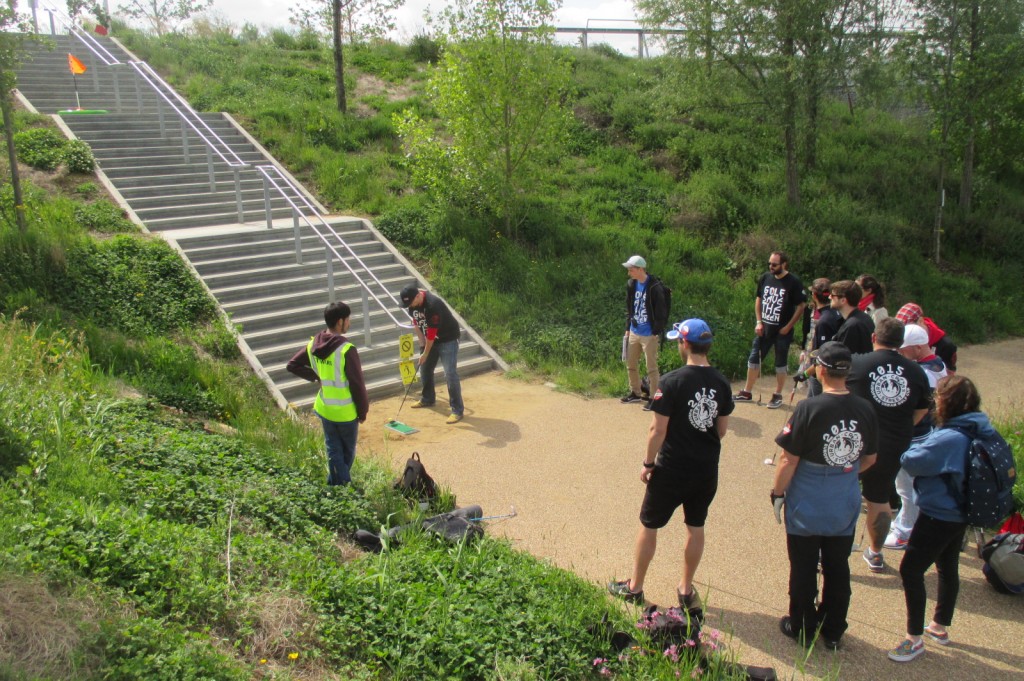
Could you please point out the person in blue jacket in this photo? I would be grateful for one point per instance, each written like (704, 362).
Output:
(938, 464)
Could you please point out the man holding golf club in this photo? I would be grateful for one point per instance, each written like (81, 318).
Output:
(828, 440)
(342, 403)
(438, 334)
(691, 413)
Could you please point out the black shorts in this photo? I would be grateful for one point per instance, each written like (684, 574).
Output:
(878, 483)
(667, 490)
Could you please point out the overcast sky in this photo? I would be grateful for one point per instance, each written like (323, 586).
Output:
(574, 13)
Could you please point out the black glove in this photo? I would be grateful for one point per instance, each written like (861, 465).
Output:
(801, 377)
(777, 502)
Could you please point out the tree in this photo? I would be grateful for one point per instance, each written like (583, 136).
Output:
(500, 96)
(164, 15)
(354, 18)
(9, 43)
(968, 60)
(788, 53)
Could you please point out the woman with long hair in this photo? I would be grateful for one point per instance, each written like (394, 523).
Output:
(938, 464)
(873, 300)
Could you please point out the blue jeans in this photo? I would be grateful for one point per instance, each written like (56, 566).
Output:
(340, 438)
(448, 353)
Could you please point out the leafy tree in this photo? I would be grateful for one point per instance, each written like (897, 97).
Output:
(500, 95)
(11, 21)
(354, 18)
(788, 54)
(164, 15)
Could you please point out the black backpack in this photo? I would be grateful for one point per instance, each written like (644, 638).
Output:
(989, 477)
(415, 482)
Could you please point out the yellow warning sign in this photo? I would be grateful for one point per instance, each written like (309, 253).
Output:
(408, 370)
(405, 346)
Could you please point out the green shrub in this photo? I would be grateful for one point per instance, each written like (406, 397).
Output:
(103, 216)
(283, 39)
(423, 48)
(41, 148)
(87, 189)
(78, 157)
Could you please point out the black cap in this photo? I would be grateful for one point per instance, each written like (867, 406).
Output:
(408, 294)
(833, 355)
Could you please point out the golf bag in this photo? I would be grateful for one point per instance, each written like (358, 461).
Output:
(455, 526)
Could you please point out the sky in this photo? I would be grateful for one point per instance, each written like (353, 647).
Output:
(574, 13)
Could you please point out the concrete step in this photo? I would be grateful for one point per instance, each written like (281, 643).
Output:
(249, 235)
(286, 301)
(249, 205)
(169, 160)
(156, 199)
(305, 283)
(306, 329)
(274, 243)
(315, 253)
(228, 216)
(182, 169)
(272, 276)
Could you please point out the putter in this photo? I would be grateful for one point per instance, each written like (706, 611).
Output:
(792, 394)
(394, 424)
(513, 514)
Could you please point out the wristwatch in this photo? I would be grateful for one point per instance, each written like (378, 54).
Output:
(648, 465)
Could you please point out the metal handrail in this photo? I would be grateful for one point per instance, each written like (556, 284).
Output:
(81, 34)
(187, 114)
(303, 208)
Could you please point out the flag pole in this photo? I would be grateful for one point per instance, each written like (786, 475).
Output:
(78, 102)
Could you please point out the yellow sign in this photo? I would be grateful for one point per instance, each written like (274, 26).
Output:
(408, 371)
(405, 346)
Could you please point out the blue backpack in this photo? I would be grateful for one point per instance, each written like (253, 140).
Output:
(988, 480)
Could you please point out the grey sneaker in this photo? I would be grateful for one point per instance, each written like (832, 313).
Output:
(776, 401)
(874, 560)
(623, 591)
(691, 604)
(743, 396)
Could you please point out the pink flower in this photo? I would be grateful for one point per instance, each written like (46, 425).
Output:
(598, 661)
(605, 671)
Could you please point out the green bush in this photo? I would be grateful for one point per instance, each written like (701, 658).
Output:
(78, 157)
(103, 216)
(423, 48)
(41, 148)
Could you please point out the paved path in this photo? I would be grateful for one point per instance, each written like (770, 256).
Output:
(570, 466)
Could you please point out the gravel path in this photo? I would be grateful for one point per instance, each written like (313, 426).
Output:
(570, 466)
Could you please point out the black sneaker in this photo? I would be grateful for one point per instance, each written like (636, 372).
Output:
(776, 401)
(743, 396)
(649, 406)
(630, 398)
(786, 627)
(691, 604)
(622, 590)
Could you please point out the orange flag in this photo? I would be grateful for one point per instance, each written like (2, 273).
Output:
(77, 67)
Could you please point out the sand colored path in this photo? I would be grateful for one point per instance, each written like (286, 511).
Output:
(570, 466)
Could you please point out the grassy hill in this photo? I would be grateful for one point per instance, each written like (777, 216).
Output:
(657, 164)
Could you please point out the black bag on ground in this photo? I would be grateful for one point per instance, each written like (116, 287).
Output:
(453, 526)
(415, 482)
(1004, 563)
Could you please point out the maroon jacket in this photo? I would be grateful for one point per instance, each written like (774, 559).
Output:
(324, 343)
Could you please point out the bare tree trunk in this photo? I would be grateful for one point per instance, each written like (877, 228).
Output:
(789, 118)
(339, 61)
(19, 204)
(967, 175)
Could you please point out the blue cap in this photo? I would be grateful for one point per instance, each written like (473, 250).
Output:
(691, 331)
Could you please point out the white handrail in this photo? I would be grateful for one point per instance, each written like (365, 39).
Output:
(81, 34)
(301, 207)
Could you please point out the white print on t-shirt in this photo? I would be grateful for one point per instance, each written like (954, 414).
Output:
(843, 444)
(703, 409)
(772, 299)
(889, 387)
(640, 306)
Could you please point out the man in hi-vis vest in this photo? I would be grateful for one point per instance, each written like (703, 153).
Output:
(341, 404)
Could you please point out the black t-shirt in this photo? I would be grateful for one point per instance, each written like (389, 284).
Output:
(832, 430)
(779, 298)
(827, 327)
(434, 314)
(693, 397)
(896, 387)
(855, 333)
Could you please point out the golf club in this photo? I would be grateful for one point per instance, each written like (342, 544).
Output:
(792, 394)
(512, 514)
(406, 395)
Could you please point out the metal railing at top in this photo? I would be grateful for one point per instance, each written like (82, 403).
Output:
(303, 210)
(73, 29)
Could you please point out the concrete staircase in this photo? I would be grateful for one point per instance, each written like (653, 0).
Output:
(160, 171)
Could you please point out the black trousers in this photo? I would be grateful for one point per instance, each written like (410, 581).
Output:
(932, 541)
(803, 584)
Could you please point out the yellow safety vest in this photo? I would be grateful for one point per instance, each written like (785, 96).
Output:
(334, 401)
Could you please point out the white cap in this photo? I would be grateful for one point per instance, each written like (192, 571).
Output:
(635, 261)
(914, 335)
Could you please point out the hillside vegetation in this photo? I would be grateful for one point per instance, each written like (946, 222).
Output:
(660, 162)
